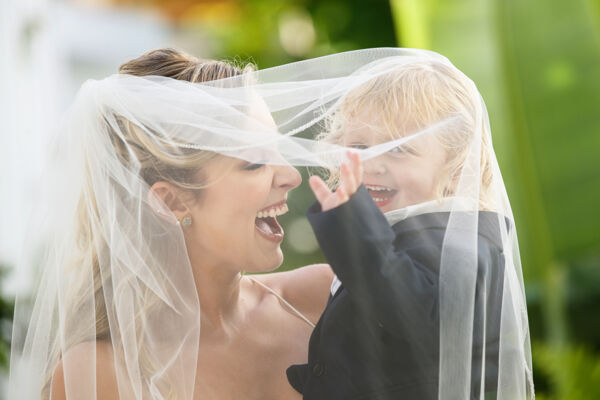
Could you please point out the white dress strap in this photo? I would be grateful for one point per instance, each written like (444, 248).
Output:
(284, 301)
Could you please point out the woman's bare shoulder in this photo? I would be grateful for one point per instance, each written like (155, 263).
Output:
(77, 367)
(306, 288)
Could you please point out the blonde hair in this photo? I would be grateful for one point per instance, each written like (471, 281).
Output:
(179, 166)
(410, 99)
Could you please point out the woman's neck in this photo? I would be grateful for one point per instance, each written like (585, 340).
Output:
(221, 300)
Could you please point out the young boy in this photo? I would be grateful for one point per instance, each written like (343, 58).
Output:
(416, 303)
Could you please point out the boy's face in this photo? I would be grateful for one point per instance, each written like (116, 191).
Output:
(403, 176)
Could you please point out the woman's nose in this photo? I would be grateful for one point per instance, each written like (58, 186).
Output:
(374, 166)
(287, 177)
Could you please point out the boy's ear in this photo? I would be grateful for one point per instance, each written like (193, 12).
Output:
(164, 198)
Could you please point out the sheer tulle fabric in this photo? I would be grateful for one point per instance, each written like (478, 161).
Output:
(112, 270)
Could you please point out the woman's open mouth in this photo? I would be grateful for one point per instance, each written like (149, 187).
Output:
(382, 195)
(266, 222)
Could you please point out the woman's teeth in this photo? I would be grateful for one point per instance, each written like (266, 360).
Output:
(273, 212)
(267, 224)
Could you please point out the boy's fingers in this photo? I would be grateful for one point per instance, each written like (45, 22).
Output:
(319, 188)
(358, 168)
(348, 179)
(342, 195)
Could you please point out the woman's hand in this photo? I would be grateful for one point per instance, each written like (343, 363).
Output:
(351, 178)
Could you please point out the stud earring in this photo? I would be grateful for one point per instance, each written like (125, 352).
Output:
(186, 221)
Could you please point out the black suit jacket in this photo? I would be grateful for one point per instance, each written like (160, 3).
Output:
(378, 337)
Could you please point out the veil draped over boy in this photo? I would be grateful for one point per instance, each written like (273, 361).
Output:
(421, 128)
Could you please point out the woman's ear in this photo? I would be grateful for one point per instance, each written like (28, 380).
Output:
(164, 198)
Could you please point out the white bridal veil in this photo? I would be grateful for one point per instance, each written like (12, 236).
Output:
(111, 269)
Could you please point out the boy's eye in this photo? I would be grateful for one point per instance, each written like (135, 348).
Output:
(398, 150)
(403, 149)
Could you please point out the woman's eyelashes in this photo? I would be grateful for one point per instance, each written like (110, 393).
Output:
(253, 166)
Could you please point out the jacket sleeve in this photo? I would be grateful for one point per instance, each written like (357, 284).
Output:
(391, 284)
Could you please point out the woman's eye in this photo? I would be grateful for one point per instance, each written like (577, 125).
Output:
(253, 166)
(358, 146)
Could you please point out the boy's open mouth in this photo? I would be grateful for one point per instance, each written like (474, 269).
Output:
(382, 195)
(266, 222)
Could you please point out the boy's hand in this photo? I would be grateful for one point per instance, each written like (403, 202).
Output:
(351, 178)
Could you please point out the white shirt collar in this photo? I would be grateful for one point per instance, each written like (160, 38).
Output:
(443, 205)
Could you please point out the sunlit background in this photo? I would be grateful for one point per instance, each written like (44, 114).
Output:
(536, 62)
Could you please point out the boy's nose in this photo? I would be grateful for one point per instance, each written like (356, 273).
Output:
(374, 166)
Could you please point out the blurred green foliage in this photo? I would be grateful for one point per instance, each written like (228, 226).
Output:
(258, 29)
(572, 372)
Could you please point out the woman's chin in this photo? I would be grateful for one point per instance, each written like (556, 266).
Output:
(268, 263)
(277, 261)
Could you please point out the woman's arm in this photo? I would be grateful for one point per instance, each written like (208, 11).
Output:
(76, 368)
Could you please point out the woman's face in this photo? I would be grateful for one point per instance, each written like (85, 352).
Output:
(234, 219)
(403, 176)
